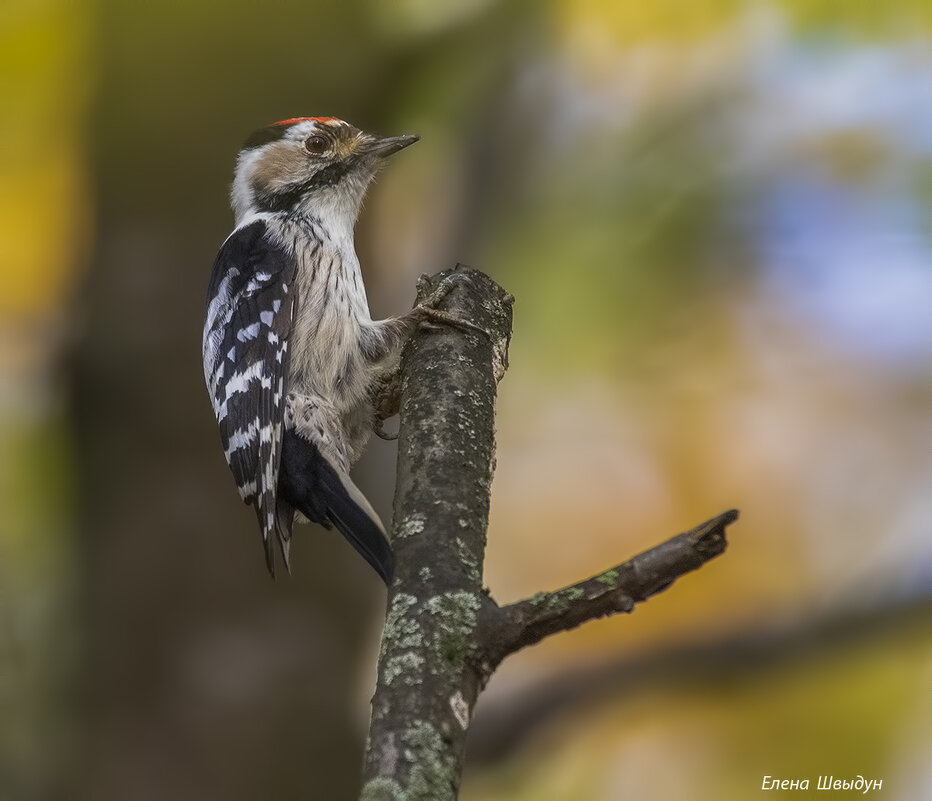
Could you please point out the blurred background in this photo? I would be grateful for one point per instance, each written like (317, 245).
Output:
(715, 216)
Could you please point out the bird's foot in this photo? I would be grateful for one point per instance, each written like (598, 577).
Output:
(431, 316)
(385, 393)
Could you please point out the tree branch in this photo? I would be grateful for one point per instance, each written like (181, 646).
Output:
(618, 589)
(427, 684)
(443, 634)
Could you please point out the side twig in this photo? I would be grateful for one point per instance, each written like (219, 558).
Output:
(618, 589)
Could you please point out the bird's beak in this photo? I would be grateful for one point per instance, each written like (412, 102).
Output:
(390, 144)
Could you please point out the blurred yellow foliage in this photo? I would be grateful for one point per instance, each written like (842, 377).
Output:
(842, 714)
(639, 23)
(628, 24)
(45, 80)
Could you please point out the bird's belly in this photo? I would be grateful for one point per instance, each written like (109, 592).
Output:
(326, 359)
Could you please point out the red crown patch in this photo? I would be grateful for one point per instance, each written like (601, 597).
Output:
(322, 120)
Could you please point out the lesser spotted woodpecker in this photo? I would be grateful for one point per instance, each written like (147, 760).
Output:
(290, 351)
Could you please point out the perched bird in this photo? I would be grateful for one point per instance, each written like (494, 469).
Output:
(291, 356)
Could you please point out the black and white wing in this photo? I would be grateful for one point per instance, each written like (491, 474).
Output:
(250, 306)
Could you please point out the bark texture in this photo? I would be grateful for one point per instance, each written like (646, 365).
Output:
(444, 635)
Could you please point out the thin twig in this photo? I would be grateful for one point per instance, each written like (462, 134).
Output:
(618, 589)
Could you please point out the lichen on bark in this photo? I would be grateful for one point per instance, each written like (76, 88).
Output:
(427, 684)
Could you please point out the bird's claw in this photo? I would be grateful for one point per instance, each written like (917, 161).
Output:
(433, 296)
(381, 433)
(435, 319)
(431, 314)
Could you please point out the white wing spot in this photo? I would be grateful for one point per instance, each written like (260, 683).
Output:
(249, 332)
(267, 317)
(239, 382)
(241, 438)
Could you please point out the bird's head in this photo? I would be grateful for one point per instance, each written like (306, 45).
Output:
(320, 164)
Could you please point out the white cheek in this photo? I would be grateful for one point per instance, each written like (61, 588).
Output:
(299, 174)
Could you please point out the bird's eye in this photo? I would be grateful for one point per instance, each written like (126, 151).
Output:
(315, 144)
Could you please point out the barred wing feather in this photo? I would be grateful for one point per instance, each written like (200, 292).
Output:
(246, 333)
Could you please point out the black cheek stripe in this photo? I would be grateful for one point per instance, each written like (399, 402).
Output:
(287, 199)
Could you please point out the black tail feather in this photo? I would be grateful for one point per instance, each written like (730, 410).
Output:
(267, 545)
(310, 484)
(354, 523)
(284, 517)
